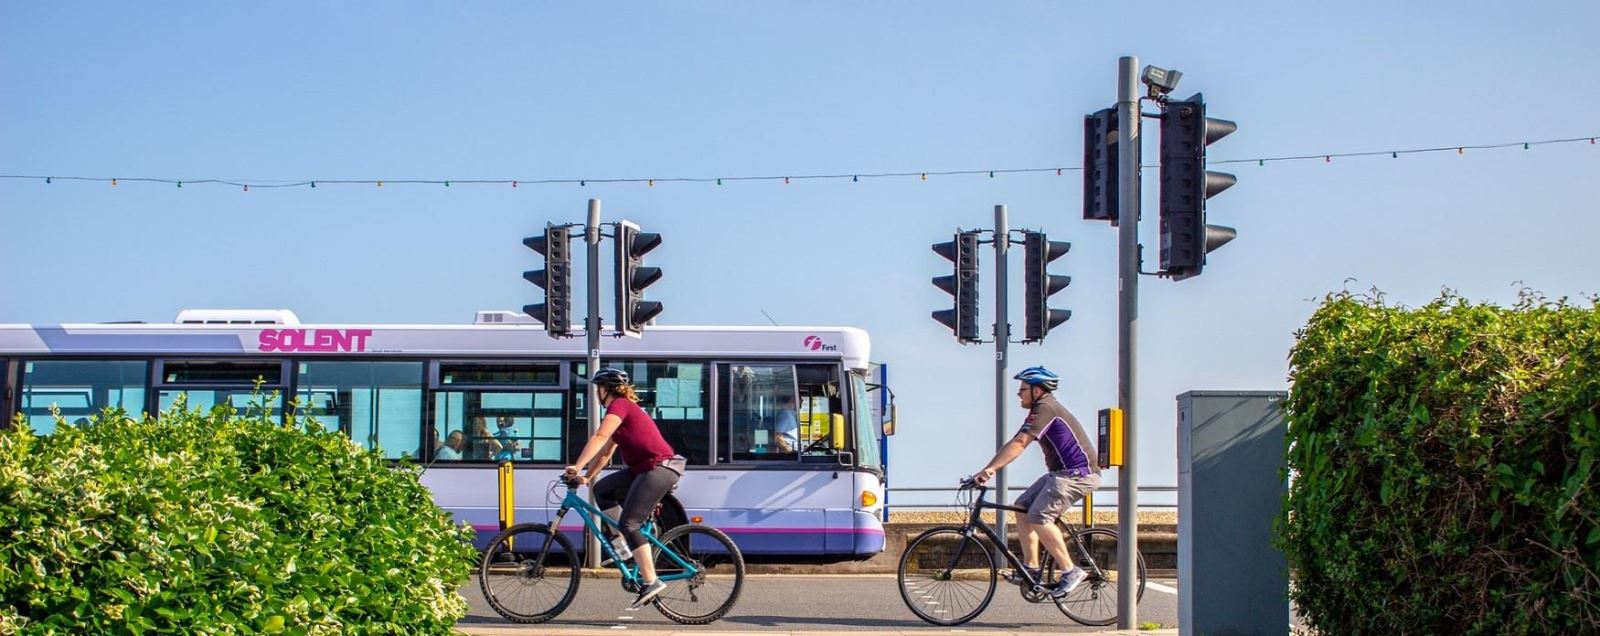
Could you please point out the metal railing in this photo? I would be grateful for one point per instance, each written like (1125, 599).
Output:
(891, 503)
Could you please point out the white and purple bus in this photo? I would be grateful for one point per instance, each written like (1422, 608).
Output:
(456, 397)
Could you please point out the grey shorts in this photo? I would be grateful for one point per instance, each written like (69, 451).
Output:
(1053, 493)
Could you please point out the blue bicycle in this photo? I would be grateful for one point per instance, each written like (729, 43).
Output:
(530, 571)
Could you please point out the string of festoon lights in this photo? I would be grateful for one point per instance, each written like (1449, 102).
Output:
(247, 184)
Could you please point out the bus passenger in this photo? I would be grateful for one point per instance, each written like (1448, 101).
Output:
(481, 445)
(653, 469)
(451, 449)
(505, 435)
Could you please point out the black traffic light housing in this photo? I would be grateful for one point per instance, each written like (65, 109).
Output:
(1186, 184)
(1039, 318)
(962, 317)
(1100, 166)
(632, 277)
(555, 279)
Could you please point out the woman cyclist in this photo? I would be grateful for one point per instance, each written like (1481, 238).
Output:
(652, 469)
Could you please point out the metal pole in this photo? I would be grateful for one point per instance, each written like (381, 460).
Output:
(1002, 337)
(591, 331)
(1128, 141)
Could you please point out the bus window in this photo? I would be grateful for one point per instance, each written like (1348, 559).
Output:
(760, 412)
(675, 394)
(377, 404)
(494, 425)
(822, 424)
(206, 384)
(500, 373)
(80, 389)
(866, 429)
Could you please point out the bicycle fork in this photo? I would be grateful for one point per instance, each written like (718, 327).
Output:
(549, 538)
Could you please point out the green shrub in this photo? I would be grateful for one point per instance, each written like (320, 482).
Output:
(218, 523)
(1444, 460)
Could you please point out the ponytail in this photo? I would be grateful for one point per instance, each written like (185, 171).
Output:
(625, 391)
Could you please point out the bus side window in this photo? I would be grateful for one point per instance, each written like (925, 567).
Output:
(759, 419)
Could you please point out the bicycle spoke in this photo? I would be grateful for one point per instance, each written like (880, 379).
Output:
(946, 578)
(714, 586)
(1095, 601)
(524, 584)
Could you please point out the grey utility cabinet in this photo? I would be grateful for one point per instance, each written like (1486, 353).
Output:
(1231, 580)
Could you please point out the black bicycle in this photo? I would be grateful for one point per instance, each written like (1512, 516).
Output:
(948, 574)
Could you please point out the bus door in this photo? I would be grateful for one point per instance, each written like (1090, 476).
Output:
(485, 412)
(783, 426)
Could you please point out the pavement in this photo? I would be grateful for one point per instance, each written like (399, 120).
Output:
(810, 604)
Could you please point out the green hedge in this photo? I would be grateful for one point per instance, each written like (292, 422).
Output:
(218, 523)
(1444, 468)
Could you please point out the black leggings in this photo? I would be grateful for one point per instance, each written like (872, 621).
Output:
(636, 495)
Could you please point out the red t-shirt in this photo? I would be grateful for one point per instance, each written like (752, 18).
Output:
(638, 437)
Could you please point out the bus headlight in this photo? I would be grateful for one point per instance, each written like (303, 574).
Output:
(868, 499)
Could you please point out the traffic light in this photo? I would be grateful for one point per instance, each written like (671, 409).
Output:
(633, 311)
(1037, 252)
(1100, 166)
(962, 318)
(555, 279)
(1186, 184)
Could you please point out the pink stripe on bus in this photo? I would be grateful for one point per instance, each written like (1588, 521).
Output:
(750, 530)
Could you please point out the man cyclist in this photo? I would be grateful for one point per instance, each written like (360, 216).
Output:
(652, 469)
(1072, 474)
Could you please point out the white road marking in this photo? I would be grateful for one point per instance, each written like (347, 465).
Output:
(1160, 588)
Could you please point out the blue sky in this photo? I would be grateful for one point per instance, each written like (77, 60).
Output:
(518, 90)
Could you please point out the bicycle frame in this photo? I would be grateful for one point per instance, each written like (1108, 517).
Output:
(629, 574)
(975, 520)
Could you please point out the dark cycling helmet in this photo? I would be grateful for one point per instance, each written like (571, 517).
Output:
(1039, 377)
(609, 376)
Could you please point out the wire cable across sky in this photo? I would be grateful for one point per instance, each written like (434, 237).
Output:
(247, 184)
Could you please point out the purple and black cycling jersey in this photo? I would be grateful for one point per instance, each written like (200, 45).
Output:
(1066, 447)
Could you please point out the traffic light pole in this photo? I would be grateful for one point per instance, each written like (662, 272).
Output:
(591, 331)
(1128, 141)
(1002, 337)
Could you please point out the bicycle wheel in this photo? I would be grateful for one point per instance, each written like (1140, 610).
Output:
(946, 577)
(1094, 602)
(712, 590)
(529, 574)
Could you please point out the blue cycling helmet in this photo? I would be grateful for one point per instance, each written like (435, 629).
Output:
(1039, 377)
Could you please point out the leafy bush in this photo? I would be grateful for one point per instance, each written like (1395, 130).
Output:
(1445, 468)
(217, 523)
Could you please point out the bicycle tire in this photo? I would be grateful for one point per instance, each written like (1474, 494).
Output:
(927, 580)
(1088, 604)
(511, 569)
(720, 565)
